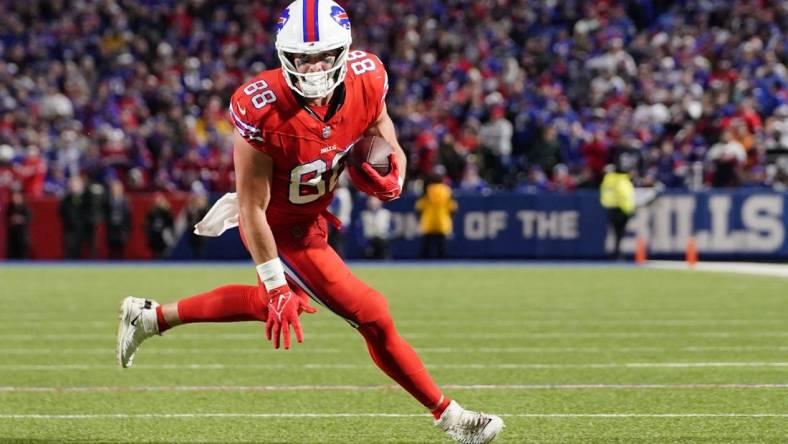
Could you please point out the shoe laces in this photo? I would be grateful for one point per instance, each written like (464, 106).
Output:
(473, 420)
(470, 426)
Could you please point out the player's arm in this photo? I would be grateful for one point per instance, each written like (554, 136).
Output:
(388, 187)
(384, 127)
(254, 172)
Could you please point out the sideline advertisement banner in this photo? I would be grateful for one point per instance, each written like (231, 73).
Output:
(739, 224)
(725, 224)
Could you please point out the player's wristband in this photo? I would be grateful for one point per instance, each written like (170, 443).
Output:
(272, 273)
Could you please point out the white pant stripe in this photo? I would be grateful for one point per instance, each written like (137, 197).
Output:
(293, 275)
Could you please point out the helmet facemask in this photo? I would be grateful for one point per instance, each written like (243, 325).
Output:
(315, 84)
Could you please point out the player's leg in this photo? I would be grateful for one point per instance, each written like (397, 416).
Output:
(142, 318)
(230, 303)
(317, 269)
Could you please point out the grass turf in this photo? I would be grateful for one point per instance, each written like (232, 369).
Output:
(706, 345)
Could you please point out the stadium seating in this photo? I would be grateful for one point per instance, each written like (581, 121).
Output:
(534, 96)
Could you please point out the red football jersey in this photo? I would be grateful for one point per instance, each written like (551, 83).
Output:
(308, 153)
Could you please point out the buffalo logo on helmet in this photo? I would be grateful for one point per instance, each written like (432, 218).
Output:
(340, 16)
(280, 22)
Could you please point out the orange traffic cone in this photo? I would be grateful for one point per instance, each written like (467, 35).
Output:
(640, 250)
(692, 252)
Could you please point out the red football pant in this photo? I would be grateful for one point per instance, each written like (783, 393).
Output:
(313, 268)
(231, 303)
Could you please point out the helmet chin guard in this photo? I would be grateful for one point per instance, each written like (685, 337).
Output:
(312, 27)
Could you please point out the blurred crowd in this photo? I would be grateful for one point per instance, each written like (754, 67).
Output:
(521, 95)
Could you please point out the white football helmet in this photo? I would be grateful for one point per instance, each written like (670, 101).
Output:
(312, 27)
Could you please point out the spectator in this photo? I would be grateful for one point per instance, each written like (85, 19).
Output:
(777, 174)
(92, 213)
(7, 177)
(668, 165)
(496, 139)
(727, 157)
(595, 150)
(18, 214)
(545, 151)
(534, 181)
(471, 182)
(561, 181)
(435, 209)
(776, 145)
(159, 226)
(72, 216)
(117, 218)
(376, 225)
(31, 172)
(196, 210)
(450, 155)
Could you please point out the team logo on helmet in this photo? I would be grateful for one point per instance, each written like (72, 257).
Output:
(340, 16)
(280, 23)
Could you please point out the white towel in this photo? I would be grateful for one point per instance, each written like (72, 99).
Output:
(222, 216)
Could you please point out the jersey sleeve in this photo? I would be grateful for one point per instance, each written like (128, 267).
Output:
(243, 116)
(367, 69)
(379, 85)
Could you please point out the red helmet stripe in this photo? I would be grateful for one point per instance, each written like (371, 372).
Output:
(311, 31)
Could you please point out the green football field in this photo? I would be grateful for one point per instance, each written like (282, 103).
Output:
(564, 354)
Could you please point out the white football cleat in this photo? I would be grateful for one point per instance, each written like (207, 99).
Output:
(469, 427)
(137, 323)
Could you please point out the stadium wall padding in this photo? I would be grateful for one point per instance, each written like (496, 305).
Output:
(3, 223)
(46, 229)
(741, 224)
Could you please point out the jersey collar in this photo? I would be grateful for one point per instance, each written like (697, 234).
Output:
(333, 105)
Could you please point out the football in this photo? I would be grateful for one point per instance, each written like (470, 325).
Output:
(375, 151)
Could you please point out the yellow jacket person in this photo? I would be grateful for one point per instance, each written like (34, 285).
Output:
(617, 196)
(617, 191)
(436, 207)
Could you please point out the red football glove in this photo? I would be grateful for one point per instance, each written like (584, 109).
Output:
(385, 188)
(283, 310)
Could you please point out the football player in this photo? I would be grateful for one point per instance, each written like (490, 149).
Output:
(294, 127)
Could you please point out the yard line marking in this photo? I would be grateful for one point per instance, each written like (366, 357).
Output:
(9, 324)
(257, 350)
(564, 322)
(705, 364)
(426, 350)
(734, 348)
(650, 415)
(538, 314)
(363, 388)
(627, 365)
(380, 415)
(161, 351)
(777, 270)
(349, 333)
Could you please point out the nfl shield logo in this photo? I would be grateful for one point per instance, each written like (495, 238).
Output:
(326, 132)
